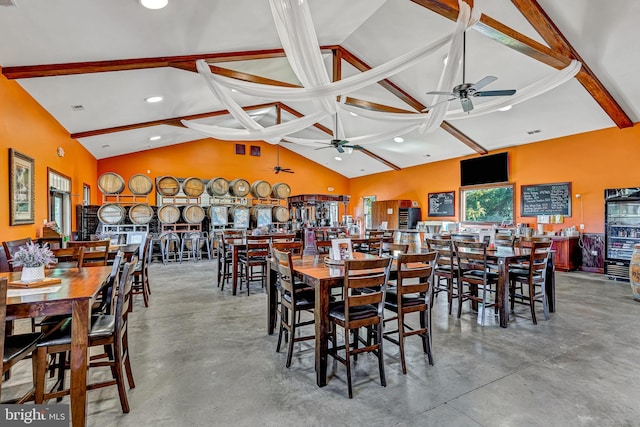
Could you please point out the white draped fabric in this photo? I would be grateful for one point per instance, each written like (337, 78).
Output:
(298, 37)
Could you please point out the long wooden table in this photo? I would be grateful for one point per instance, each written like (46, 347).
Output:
(78, 290)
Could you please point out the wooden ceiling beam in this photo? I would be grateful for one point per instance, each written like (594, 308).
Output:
(558, 56)
(412, 102)
(551, 34)
(174, 121)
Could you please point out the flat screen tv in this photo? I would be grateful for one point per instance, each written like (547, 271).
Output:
(484, 169)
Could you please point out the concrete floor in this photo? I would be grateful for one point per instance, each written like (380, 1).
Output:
(201, 357)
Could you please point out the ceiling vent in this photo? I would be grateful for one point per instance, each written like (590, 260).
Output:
(75, 107)
(8, 3)
(533, 132)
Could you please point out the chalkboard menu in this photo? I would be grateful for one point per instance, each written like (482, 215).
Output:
(442, 204)
(545, 199)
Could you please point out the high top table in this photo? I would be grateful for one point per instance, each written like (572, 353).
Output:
(78, 290)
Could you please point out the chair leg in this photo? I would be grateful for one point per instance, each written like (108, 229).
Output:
(401, 339)
(39, 363)
(532, 302)
(127, 360)
(122, 392)
(292, 325)
(347, 358)
(460, 291)
(383, 378)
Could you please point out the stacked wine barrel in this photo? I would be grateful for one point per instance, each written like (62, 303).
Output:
(118, 211)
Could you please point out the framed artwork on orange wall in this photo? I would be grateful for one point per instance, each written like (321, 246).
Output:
(21, 188)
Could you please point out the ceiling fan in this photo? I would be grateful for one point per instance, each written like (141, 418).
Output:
(465, 91)
(277, 169)
(339, 144)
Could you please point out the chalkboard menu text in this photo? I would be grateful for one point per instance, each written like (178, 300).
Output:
(545, 199)
(442, 204)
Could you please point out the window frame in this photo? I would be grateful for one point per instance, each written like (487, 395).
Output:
(463, 202)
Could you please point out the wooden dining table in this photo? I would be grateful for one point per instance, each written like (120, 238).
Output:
(77, 292)
(322, 277)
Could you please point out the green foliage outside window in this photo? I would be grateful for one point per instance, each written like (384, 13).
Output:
(489, 204)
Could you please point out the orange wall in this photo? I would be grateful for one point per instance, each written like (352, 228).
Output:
(210, 158)
(26, 127)
(591, 162)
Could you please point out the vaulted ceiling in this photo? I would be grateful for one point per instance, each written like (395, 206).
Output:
(92, 64)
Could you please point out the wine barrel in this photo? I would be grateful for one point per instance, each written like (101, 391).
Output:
(239, 187)
(140, 213)
(260, 189)
(193, 187)
(111, 213)
(168, 214)
(217, 187)
(168, 186)
(280, 214)
(193, 214)
(111, 183)
(218, 215)
(280, 190)
(140, 185)
(260, 216)
(239, 215)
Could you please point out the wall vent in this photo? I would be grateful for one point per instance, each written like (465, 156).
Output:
(75, 107)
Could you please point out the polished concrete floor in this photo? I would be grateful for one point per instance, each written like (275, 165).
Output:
(201, 357)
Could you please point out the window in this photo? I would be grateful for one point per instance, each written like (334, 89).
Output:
(368, 200)
(487, 203)
(86, 194)
(60, 201)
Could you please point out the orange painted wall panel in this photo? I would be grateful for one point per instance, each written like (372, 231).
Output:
(26, 127)
(210, 158)
(591, 162)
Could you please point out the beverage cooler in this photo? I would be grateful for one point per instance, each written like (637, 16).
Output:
(622, 229)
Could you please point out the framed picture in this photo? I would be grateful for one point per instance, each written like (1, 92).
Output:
(21, 188)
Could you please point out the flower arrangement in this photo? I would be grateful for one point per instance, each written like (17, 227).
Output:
(32, 255)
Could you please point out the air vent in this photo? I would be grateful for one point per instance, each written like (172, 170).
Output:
(75, 107)
(533, 132)
(8, 3)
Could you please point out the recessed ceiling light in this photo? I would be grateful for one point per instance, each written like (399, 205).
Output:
(106, 146)
(153, 99)
(234, 90)
(353, 114)
(398, 139)
(155, 138)
(507, 108)
(154, 4)
(338, 158)
(427, 155)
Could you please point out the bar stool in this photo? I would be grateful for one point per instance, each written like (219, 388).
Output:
(170, 246)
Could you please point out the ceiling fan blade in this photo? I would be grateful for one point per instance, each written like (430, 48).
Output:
(437, 92)
(287, 171)
(322, 148)
(483, 82)
(467, 105)
(507, 92)
(437, 103)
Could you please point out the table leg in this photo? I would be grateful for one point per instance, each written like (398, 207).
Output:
(503, 297)
(79, 360)
(234, 270)
(550, 283)
(321, 315)
(272, 293)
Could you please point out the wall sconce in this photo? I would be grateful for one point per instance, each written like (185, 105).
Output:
(60, 152)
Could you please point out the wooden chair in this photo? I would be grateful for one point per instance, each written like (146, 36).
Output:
(140, 273)
(11, 247)
(474, 275)
(364, 287)
(295, 247)
(13, 348)
(69, 257)
(323, 246)
(533, 276)
(96, 253)
(106, 330)
(254, 257)
(394, 249)
(294, 299)
(409, 296)
(445, 269)
(374, 246)
(503, 240)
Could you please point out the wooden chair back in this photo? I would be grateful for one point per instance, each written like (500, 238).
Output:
(502, 240)
(284, 260)
(374, 234)
(445, 259)
(538, 257)
(323, 246)
(70, 257)
(472, 261)
(11, 247)
(395, 249)
(375, 245)
(415, 266)
(365, 283)
(123, 307)
(110, 286)
(96, 253)
(295, 247)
